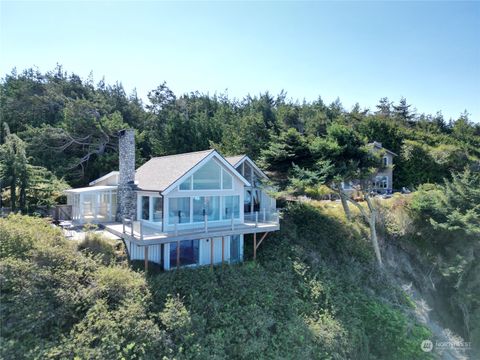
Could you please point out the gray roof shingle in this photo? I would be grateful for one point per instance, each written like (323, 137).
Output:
(233, 160)
(159, 173)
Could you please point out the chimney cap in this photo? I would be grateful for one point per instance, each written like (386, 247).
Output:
(124, 131)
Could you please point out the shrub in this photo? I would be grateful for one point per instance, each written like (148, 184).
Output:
(95, 244)
(19, 235)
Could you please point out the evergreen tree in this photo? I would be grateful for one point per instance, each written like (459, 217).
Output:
(402, 110)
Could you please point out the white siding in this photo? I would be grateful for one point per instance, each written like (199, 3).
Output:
(205, 250)
(138, 252)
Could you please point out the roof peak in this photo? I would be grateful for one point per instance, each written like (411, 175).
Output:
(186, 153)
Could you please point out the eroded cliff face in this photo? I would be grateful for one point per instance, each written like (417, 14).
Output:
(431, 302)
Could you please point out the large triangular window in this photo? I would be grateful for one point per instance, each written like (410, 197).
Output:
(210, 176)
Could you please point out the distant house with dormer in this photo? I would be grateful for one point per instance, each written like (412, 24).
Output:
(382, 181)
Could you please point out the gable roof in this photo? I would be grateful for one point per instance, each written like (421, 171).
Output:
(239, 159)
(104, 177)
(160, 172)
(378, 145)
(234, 160)
(163, 173)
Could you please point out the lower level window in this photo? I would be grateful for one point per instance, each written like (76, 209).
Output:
(381, 182)
(188, 253)
(235, 248)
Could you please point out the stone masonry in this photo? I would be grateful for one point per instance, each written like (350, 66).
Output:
(127, 200)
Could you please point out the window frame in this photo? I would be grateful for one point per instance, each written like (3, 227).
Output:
(223, 171)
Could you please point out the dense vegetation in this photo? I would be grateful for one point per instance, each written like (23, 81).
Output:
(65, 127)
(314, 293)
(446, 227)
(316, 290)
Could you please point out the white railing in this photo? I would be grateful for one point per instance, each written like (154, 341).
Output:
(139, 228)
(264, 216)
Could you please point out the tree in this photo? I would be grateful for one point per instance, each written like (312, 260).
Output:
(287, 148)
(384, 107)
(343, 157)
(13, 168)
(402, 110)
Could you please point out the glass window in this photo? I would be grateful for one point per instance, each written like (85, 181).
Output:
(206, 205)
(381, 182)
(231, 204)
(255, 179)
(235, 248)
(188, 253)
(157, 203)
(239, 169)
(248, 172)
(199, 210)
(207, 177)
(385, 161)
(247, 201)
(145, 208)
(227, 180)
(88, 207)
(179, 210)
(187, 184)
(256, 200)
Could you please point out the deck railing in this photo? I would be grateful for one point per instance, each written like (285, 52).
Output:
(140, 228)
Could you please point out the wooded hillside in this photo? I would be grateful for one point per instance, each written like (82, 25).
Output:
(59, 126)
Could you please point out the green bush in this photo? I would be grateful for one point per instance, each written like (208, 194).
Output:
(58, 303)
(19, 235)
(96, 245)
(314, 293)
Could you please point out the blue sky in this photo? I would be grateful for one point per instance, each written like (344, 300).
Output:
(428, 52)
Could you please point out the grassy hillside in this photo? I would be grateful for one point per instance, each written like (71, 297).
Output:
(315, 292)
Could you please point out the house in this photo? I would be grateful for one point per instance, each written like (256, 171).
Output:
(382, 181)
(180, 210)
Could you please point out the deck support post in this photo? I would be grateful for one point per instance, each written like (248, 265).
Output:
(146, 258)
(254, 246)
(223, 250)
(211, 253)
(261, 239)
(178, 254)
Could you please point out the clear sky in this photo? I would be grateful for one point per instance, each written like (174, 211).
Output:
(428, 52)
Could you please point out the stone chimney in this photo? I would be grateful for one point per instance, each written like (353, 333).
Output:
(126, 196)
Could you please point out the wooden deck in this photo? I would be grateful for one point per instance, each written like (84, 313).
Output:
(152, 236)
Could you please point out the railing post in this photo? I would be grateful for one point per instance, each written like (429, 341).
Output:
(211, 253)
(178, 254)
(123, 224)
(131, 228)
(141, 230)
(264, 215)
(145, 255)
(232, 221)
(256, 218)
(223, 250)
(206, 222)
(176, 227)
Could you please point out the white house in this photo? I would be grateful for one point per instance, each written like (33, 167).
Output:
(180, 210)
